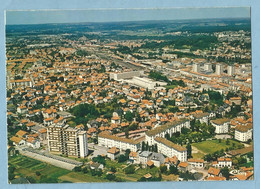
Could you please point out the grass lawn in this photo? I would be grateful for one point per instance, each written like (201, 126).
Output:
(170, 177)
(198, 155)
(211, 146)
(170, 86)
(81, 177)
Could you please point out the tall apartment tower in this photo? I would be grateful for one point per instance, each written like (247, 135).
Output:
(196, 67)
(208, 67)
(231, 70)
(68, 141)
(219, 69)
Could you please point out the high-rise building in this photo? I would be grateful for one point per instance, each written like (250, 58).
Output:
(208, 67)
(68, 141)
(219, 69)
(196, 67)
(231, 70)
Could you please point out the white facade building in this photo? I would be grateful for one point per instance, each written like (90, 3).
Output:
(170, 149)
(219, 69)
(221, 125)
(231, 70)
(169, 128)
(107, 140)
(196, 67)
(244, 133)
(83, 144)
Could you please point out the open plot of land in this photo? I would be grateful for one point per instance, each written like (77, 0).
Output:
(80, 177)
(27, 167)
(211, 146)
(170, 177)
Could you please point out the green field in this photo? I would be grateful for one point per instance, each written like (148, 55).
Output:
(211, 146)
(25, 167)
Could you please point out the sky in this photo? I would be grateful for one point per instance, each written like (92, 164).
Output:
(116, 15)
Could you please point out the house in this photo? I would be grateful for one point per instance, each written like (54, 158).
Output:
(18, 141)
(42, 134)
(113, 153)
(196, 163)
(96, 166)
(21, 134)
(150, 163)
(224, 162)
(216, 178)
(32, 142)
(171, 161)
(157, 159)
(133, 157)
(244, 176)
(221, 125)
(184, 166)
(144, 157)
(213, 172)
(235, 100)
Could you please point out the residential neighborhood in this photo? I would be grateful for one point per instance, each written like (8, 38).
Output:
(96, 104)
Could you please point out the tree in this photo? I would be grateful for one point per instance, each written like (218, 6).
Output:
(126, 133)
(189, 150)
(163, 168)
(85, 170)
(143, 146)
(122, 158)
(173, 170)
(113, 169)
(37, 173)
(225, 172)
(110, 177)
(129, 116)
(155, 148)
(77, 169)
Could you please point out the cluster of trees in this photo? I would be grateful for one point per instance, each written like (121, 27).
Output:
(124, 157)
(235, 110)
(84, 112)
(197, 133)
(158, 76)
(147, 147)
(99, 159)
(85, 170)
(172, 170)
(215, 97)
(81, 52)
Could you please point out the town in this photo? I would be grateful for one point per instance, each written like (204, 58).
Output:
(127, 102)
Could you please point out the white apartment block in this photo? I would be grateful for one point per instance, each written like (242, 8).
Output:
(243, 133)
(224, 162)
(23, 83)
(196, 163)
(221, 125)
(170, 149)
(107, 140)
(68, 141)
(169, 128)
(219, 69)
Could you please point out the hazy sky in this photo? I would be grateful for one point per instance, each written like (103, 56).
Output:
(106, 15)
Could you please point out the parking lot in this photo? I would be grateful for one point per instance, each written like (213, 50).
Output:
(97, 150)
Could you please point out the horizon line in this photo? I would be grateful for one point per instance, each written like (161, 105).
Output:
(180, 19)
